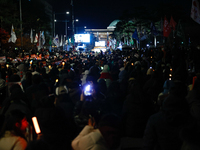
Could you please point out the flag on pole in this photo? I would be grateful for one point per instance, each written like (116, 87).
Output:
(36, 38)
(43, 38)
(131, 42)
(135, 35)
(50, 42)
(61, 41)
(13, 37)
(56, 41)
(68, 41)
(172, 23)
(143, 35)
(31, 36)
(195, 11)
(166, 28)
(39, 40)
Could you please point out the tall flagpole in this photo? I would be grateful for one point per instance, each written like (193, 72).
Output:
(72, 23)
(20, 9)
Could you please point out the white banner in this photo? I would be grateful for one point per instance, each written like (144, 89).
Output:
(195, 11)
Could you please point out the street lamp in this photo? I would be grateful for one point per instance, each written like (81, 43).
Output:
(62, 21)
(85, 27)
(76, 26)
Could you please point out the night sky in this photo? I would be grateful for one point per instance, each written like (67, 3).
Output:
(99, 14)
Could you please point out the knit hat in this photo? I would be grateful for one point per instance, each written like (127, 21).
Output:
(149, 71)
(167, 86)
(61, 90)
(106, 68)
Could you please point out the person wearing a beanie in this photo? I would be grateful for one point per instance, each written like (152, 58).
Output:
(105, 74)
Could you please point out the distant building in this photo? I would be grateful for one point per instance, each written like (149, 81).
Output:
(103, 34)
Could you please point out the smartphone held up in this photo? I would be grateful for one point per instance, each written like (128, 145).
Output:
(88, 90)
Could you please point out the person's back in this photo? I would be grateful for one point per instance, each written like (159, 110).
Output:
(17, 100)
(163, 128)
(136, 111)
(57, 129)
(31, 91)
(12, 132)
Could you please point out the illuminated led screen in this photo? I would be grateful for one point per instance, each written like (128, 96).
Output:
(100, 43)
(85, 38)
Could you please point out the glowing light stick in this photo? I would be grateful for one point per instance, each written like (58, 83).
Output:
(36, 125)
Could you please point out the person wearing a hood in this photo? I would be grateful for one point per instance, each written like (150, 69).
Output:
(166, 88)
(105, 74)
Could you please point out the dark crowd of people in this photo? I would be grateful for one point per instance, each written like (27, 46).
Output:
(93, 100)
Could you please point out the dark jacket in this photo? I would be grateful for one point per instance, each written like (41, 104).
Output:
(57, 130)
(136, 111)
(163, 128)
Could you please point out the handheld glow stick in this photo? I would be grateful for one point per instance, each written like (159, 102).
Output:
(36, 125)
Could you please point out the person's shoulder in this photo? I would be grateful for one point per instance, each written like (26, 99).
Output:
(16, 141)
(21, 143)
(156, 117)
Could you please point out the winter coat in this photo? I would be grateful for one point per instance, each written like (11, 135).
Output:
(89, 139)
(136, 111)
(163, 128)
(57, 130)
(12, 142)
